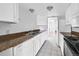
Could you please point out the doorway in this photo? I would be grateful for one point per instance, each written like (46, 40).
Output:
(53, 29)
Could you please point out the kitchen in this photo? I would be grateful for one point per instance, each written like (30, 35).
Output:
(39, 29)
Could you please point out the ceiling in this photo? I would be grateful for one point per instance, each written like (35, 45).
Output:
(40, 8)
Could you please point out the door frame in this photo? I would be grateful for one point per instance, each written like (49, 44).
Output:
(58, 27)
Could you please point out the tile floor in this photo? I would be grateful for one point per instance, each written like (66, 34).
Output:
(50, 48)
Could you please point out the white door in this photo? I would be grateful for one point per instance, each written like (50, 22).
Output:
(53, 29)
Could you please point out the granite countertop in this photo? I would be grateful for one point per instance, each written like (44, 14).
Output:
(66, 33)
(72, 40)
(11, 40)
(73, 34)
(73, 37)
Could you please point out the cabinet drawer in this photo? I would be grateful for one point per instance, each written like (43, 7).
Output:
(18, 50)
(7, 52)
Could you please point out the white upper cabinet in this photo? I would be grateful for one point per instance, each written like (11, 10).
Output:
(72, 14)
(9, 12)
(75, 21)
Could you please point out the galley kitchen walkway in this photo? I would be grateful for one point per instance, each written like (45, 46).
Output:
(49, 50)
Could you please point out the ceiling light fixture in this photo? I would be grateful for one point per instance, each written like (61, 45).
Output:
(49, 8)
(31, 10)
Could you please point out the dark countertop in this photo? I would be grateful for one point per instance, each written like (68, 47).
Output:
(72, 49)
(11, 40)
(72, 40)
(69, 34)
(74, 36)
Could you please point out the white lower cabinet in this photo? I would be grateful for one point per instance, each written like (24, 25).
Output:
(7, 52)
(44, 36)
(39, 41)
(28, 48)
(18, 50)
(61, 42)
(36, 44)
(24, 49)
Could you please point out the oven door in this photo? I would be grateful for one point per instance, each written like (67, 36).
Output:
(67, 51)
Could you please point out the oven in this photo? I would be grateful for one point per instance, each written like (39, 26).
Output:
(67, 51)
(70, 47)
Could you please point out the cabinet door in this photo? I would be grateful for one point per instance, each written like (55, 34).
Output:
(72, 11)
(8, 12)
(7, 52)
(61, 43)
(18, 50)
(28, 48)
(35, 47)
(67, 50)
(16, 12)
(43, 37)
(37, 44)
(38, 41)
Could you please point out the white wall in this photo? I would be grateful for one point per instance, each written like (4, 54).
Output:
(63, 27)
(75, 29)
(3, 28)
(71, 12)
(27, 22)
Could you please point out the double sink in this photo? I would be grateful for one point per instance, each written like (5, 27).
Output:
(73, 43)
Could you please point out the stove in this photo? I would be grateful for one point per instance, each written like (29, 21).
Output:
(73, 44)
